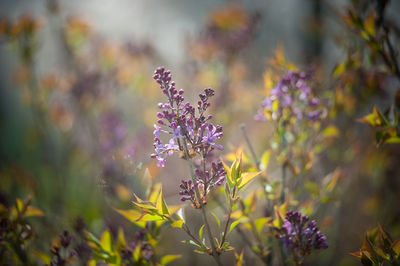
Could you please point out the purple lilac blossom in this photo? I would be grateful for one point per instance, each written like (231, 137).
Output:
(292, 94)
(188, 125)
(300, 235)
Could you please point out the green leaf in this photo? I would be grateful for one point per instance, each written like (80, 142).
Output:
(132, 215)
(369, 24)
(191, 242)
(234, 224)
(330, 132)
(247, 177)
(136, 253)
(177, 224)
(228, 175)
(42, 257)
(155, 193)
(260, 222)
(33, 211)
(374, 119)
(396, 247)
(121, 238)
(393, 140)
(264, 160)
(339, 69)
(201, 232)
(105, 241)
(216, 219)
(236, 170)
(92, 238)
(169, 258)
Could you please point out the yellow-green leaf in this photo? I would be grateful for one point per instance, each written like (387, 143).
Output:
(396, 247)
(260, 222)
(105, 241)
(393, 140)
(121, 238)
(132, 215)
(234, 224)
(42, 257)
(265, 159)
(201, 232)
(155, 193)
(228, 174)
(177, 224)
(33, 211)
(247, 177)
(369, 24)
(374, 119)
(19, 204)
(331, 132)
(216, 219)
(169, 258)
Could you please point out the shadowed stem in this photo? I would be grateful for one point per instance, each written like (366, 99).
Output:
(253, 153)
(202, 206)
(226, 226)
(255, 159)
(241, 233)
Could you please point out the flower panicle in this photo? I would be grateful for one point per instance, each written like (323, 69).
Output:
(191, 127)
(291, 97)
(300, 235)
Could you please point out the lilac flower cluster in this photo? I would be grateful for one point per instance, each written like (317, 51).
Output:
(301, 236)
(188, 129)
(291, 98)
(206, 180)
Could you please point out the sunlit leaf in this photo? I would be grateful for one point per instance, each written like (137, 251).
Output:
(369, 24)
(239, 258)
(216, 219)
(280, 213)
(265, 159)
(42, 257)
(132, 215)
(168, 259)
(393, 140)
(234, 224)
(331, 132)
(33, 211)
(228, 174)
(155, 193)
(105, 241)
(260, 222)
(396, 247)
(201, 232)
(177, 224)
(248, 177)
(374, 119)
(121, 238)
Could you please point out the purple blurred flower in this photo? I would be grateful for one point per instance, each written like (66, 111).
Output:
(301, 236)
(292, 94)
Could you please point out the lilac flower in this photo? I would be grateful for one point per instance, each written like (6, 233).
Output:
(188, 127)
(300, 236)
(291, 97)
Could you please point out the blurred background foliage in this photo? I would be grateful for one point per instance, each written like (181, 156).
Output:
(78, 105)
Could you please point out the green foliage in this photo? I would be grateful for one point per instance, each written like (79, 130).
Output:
(378, 248)
(17, 233)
